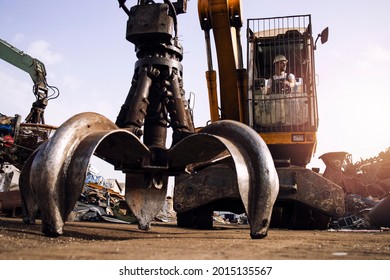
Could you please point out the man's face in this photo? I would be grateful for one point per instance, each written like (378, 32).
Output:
(281, 65)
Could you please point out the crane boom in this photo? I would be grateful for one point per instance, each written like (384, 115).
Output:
(34, 67)
(37, 71)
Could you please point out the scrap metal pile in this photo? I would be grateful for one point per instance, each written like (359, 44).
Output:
(367, 187)
(19, 140)
(103, 200)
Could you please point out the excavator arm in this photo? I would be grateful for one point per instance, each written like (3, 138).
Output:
(36, 70)
(34, 67)
(224, 18)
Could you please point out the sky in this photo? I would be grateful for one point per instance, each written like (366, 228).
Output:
(83, 46)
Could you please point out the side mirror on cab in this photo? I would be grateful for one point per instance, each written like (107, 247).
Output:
(324, 37)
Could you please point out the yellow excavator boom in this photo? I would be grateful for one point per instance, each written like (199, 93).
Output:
(224, 18)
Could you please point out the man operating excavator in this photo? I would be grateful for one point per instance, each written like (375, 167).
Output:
(281, 82)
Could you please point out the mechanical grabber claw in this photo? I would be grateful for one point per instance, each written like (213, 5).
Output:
(53, 177)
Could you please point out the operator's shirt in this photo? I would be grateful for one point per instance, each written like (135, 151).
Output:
(279, 80)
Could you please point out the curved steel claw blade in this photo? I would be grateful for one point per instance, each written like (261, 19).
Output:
(145, 197)
(54, 177)
(252, 164)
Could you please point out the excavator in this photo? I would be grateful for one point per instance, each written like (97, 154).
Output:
(251, 158)
(286, 119)
(19, 139)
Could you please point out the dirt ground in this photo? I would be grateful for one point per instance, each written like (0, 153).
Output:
(165, 241)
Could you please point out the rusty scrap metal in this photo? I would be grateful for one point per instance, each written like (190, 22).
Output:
(10, 202)
(366, 185)
(379, 214)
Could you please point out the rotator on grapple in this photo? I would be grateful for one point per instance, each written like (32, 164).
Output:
(53, 177)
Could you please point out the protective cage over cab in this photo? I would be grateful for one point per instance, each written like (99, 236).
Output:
(286, 119)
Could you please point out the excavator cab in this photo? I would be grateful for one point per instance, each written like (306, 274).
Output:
(286, 118)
